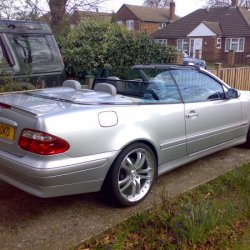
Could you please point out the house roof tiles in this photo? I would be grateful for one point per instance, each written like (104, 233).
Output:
(149, 14)
(214, 26)
(225, 21)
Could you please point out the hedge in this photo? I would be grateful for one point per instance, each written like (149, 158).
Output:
(92, 45)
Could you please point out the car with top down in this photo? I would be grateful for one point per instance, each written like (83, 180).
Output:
(120, 135)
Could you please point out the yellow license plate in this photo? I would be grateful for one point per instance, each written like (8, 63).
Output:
(7, 132)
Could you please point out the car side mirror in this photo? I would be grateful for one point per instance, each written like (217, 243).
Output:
(232, 93)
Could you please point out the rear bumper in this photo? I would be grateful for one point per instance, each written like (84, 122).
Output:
(55, 176)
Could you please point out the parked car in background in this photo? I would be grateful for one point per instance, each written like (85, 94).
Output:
(29, 54)
(188, 60)
(119, 136)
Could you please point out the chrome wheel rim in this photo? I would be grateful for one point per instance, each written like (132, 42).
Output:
(136, 175)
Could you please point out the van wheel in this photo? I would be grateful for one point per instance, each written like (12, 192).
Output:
(133, 174)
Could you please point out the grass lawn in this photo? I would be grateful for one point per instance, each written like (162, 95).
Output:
(213, 216)
(244, 243)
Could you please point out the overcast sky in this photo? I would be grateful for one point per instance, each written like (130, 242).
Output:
(183, 7)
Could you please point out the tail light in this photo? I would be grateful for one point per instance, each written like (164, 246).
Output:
(42, 143)
(4, 106)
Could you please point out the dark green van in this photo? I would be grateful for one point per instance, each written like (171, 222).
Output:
(29, 54)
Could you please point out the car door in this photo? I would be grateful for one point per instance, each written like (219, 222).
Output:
(163, 104)
(211, 119)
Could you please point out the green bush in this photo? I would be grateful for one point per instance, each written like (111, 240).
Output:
(9, 84)
(94, 45)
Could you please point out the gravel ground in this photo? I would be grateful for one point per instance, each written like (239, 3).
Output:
(27, 222)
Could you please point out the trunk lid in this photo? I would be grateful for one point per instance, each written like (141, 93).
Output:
(12, 122)
(21, 110)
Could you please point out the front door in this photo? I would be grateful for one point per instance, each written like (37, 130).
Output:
(210, 118)
(195, 48)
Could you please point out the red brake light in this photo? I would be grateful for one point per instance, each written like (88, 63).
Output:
(42, 143)
(4, 106)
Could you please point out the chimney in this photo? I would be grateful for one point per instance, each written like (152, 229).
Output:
(235, 3)
(172, 11)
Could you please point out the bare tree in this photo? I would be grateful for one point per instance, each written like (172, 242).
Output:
(157, 3)
(22, 9)
(8, 9)
(227, 3)
(59, 10)
(34, 10)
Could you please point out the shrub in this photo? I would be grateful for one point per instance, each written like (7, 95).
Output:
(94, 45)
(9, 84)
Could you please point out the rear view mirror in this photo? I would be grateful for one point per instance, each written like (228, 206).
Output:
(232, 93)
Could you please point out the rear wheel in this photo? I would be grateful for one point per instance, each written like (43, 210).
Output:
(133, 174)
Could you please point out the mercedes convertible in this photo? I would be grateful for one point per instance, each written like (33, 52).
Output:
(120, 135)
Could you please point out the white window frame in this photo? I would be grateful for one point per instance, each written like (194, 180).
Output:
(218, 43)
(161, 41)
(130, 24)
(119, 22)
(182, 45)
(162, 25)
(236, 44)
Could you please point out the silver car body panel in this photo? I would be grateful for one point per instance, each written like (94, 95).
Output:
(55, 176)
(99, 126)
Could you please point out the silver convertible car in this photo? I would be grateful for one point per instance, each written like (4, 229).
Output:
(119, 136)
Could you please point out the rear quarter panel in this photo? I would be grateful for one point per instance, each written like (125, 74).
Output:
(81, 128)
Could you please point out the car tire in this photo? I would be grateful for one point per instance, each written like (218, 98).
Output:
(132, 175)
(247, 143)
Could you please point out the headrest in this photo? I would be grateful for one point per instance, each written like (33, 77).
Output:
(105, 87)
(72, 84)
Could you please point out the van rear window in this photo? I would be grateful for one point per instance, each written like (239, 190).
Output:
(33, 49)
(3, 61)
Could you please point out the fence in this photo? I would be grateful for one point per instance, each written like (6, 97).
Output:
(238, 78)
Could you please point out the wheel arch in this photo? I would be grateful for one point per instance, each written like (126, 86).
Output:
(143, 141)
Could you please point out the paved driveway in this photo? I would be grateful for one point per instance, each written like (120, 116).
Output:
(27, 222)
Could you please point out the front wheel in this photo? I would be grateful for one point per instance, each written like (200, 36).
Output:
(133, 174)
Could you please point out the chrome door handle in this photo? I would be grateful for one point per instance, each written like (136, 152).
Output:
(191, 114)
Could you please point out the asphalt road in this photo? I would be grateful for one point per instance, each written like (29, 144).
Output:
(27, 222)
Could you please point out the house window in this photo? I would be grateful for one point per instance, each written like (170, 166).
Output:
(182, 45)
(119, 22)
(162, 25)
(236, 44)
(218, 44)
(130, 24)
(161, 41)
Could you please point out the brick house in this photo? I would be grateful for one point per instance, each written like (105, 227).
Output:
(211, 33)
(143, 18)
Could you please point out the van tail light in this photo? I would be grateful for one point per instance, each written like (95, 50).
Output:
(42, 143)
